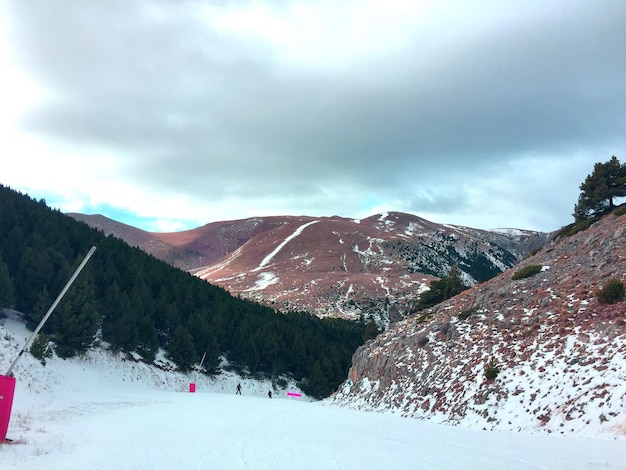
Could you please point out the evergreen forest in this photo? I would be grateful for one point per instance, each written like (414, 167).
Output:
(137, 303)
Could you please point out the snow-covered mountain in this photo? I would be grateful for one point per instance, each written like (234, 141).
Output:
(332, 266)
(561, 353)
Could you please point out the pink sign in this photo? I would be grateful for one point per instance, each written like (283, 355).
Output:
(294, 394)
(192, 388)
(7, 388)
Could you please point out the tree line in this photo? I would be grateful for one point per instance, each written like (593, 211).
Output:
(137, 303)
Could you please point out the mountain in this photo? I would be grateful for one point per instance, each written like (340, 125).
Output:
(332, 266)
(561, 353)
(131, 301)
(188, 249)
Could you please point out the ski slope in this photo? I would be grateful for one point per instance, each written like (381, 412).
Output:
(103, 412)
(167, 429)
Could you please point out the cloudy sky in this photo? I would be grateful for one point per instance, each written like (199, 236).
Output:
(171, 114)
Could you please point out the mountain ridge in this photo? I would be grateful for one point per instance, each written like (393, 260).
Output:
(374, 267)
(139, 304)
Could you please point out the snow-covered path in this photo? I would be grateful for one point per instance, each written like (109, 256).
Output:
(105, 412)
(165, 430)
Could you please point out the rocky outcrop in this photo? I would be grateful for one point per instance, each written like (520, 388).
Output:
(561, 354)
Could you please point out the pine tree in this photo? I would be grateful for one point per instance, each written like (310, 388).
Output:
(148, 342)
(43, 301)
(296, 357)
(204, 340)
(182, 349)
(7, 292)
(40, 348)
(600, 188)
(442, 289)
(76, 319)
(119, 320)
(370, 331)
(35, 272)
(316, 383)
(212, 357)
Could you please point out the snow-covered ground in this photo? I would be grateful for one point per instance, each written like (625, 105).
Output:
(101, 412)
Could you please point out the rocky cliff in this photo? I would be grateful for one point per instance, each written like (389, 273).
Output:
(561, 354)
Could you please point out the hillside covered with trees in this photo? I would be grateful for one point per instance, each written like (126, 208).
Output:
(137, 303)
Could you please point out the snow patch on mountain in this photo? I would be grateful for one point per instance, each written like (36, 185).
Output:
(263, 281)
(298, 231)
(412, 229)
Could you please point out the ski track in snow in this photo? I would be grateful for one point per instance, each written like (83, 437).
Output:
(102, 412)
(269, 257)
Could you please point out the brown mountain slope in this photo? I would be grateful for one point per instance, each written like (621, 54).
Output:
(561, 353)
(329, 266)
(333, 266)
(187, 249)
(374, 267)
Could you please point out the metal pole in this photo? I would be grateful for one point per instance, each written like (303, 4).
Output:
(47, 315)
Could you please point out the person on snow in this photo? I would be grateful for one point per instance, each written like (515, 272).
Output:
(269, 394)
(238, 392)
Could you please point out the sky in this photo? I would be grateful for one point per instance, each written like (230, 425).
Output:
(101, 412)
(170, 115)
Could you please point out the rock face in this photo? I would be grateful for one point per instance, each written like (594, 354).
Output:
(561, 354)
(332, 266)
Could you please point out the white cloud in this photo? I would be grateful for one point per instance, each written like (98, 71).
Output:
(185, 113)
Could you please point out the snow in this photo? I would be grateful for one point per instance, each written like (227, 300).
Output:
(412, 229)
(571, 385)
(512, 232)
(208, 270)
(264, 280)
(298, 231)
(102, 412)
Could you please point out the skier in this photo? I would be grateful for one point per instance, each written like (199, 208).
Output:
(269, 394)
(238, 389)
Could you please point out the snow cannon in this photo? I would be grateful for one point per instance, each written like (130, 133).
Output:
(7, 389)
(7, 381)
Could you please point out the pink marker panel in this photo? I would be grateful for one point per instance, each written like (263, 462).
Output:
(7, 389)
